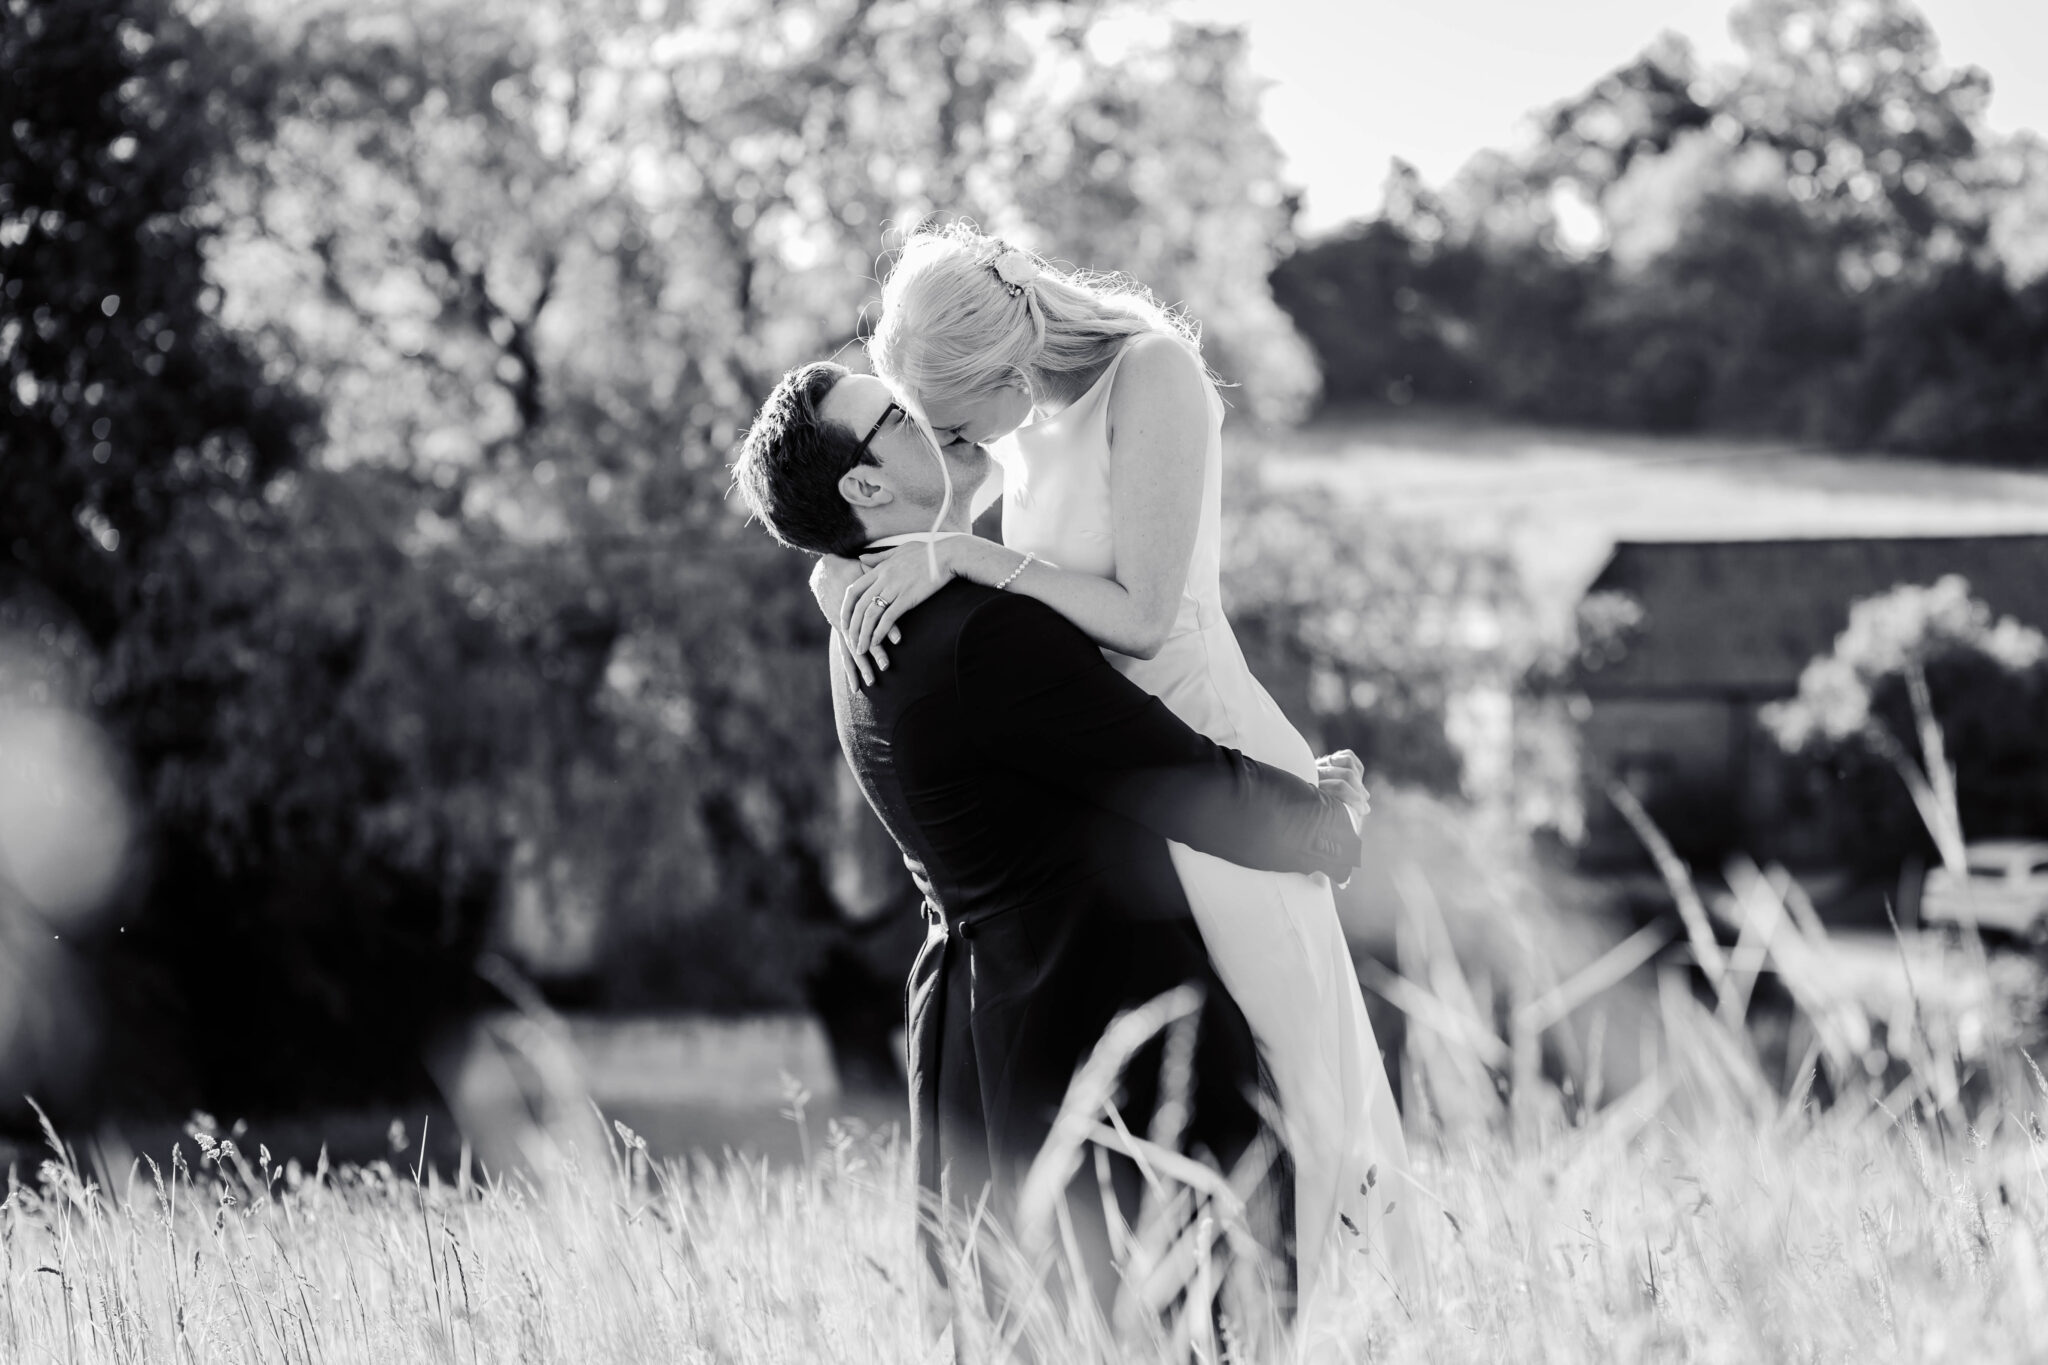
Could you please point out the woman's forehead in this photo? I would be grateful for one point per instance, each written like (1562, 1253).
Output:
(856, 401)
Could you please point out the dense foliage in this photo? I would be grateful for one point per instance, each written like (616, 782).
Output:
(1822, 243)
(126, 400)
(371, 371)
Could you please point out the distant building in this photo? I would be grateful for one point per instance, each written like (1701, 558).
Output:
(1725, 627)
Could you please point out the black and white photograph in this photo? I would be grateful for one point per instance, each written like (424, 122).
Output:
(1023, 682)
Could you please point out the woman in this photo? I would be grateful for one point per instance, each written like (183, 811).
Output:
(1107, 428)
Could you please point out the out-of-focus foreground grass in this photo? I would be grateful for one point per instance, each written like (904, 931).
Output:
(1878, 1194)
(1823, 1240)
(1705, 1215)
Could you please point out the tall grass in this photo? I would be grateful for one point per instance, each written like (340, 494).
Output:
(1883, 1196)
(1706, 1215)
(1787, 1235)
(222, 1256)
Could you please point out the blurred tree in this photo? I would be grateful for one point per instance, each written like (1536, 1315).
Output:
(392, 485)
(124, 395)
(1141, 150)
(141, 437)
(2018, 232)
(1386, 303)
(1954, 364)
(540, 263)
(1637, 111)
(1874, 126)
(1820, 241)
(323, 733)
(1684, 350)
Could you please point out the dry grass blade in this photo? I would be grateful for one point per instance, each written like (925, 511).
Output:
(1092, 1090)
(1605, 972)
(1940, 809)
(1163, 1161)
(1714, 1060)
(1698, 928)
(1447, 980)
(1424, 1008)
(1755, 932)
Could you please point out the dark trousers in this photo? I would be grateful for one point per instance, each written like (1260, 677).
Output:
(1002, 1011)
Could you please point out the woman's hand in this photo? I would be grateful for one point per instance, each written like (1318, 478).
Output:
(1342, 775)
(831, 577)
(891, 583)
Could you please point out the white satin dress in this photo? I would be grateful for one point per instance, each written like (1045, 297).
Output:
(1274, 937)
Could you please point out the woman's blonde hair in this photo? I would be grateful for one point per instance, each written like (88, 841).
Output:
(953, 329)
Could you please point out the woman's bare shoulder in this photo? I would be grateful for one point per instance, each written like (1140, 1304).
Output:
(1157, 370)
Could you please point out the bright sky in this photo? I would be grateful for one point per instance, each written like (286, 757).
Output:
(1356, 82)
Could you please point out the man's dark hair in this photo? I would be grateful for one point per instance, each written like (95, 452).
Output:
(790, 465)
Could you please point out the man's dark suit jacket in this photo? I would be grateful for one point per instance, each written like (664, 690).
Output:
(1032, 789)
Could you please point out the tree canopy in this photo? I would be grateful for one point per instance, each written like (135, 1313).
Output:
(371, 373)
(1821, 241)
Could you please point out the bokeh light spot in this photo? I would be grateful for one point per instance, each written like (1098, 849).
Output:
(65, 821)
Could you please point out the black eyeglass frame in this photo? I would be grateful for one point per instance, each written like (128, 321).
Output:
(876, 429)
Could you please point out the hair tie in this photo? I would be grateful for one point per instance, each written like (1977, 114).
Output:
(1014, 270)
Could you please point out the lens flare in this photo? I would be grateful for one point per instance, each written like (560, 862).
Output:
(65, 821)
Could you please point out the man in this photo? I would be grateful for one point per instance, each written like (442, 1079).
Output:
(1032, 789)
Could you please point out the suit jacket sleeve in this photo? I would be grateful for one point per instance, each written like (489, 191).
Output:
(1043, 700)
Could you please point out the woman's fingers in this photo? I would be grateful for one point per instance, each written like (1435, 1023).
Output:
(875, 601)
(1344, 762)
(1353, 768)
(860, 663)
(1344, 781)
(901, 591)
(860, 627)
(868, 615)
(885, 626)
(849, 605)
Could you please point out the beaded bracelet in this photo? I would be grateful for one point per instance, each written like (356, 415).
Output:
(1025, 563)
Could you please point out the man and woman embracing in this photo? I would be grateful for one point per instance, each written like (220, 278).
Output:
(1054, 721)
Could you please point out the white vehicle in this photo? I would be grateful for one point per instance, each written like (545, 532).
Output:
(2006, 889)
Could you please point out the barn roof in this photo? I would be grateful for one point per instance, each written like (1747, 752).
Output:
(1746, 615)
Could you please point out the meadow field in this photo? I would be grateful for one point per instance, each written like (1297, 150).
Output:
(394, 668)
(1559, 498)
(1781, 1237)
(1796, 1148)
(1884, 1199)
(1626, 1149)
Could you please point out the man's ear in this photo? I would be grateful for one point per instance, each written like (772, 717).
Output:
(861, 488)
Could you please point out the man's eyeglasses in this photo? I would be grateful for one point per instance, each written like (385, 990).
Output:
(875, 430)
